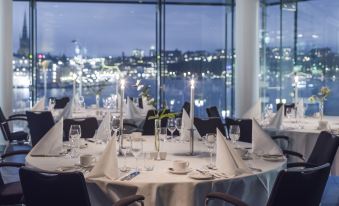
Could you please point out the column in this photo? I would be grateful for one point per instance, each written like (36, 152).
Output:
(6, 56)
(247, 55)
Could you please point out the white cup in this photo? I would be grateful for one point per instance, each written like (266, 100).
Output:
(86, 160)
(162, 155)
(180, 165)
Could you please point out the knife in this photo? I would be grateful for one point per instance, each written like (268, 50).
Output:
(130, 176)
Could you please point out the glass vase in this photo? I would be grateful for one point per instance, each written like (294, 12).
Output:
(157, 127)
(97, 100)
(321, 109)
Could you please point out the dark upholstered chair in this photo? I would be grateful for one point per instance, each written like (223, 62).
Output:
(60, 103)
(55, 189)
(245, 128)
(213, 112)
(18, 136)
(39, 123)
(323, 152)
(209, 126)
(148, 128)
(287, 107)
(292, 188)
(88, 126)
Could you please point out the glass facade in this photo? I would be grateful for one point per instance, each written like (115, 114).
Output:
(299, 37)
(162, 43)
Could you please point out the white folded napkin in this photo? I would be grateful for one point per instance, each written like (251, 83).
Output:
(185, 126)
(39, 106)
(107, 165)
(103, 132)
(134, 112)
(276, 121)
(300, 108)
(67, 111)
(228, 159)
(253, 112)
(51, 143)
(262, 143)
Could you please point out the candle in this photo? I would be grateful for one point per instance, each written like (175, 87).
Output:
(192, 104)
(122, 94)
(296, 81)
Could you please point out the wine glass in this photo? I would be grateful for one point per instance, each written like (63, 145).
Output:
(74, 137)
(136, 149)
(51, 104)
(125, 149)
(163, 133)
(178, 124)
(82, 101)
(115, 123)
(209, 140)
(171, 126)
(234, 133)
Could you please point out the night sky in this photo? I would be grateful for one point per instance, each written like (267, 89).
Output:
(110, 29)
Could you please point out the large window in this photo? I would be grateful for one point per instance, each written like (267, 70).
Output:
(162, 43)
(300, 37)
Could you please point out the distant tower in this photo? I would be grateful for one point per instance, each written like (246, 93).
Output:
(24, 40)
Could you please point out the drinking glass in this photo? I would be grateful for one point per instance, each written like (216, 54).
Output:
(74, 138)
(209, 140)
(171, 126)
(163, 133)
(125, 149)
(178, 124)
(82, 101)
(136, 149)
(148, 161)
(51, 104)
(234, 133)
(115, 123)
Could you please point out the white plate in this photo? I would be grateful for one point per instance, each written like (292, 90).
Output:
(199, 176)
(170, 170)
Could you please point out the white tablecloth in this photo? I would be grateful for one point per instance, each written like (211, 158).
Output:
(163, 188)
(303, 136)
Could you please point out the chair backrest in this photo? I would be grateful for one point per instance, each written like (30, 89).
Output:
(287, 107)
(148, 128)
(213, 112)
(39, 123)
(88, 126)
(324, 150)
(209, 126)
(53, 189)
(299, 187)
(245, 126)
(60, 103)
(140, 103)
(4, 126)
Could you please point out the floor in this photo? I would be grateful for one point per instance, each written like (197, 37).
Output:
(330, 198)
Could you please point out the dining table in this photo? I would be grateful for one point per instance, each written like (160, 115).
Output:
(160, 186)
(303, 134)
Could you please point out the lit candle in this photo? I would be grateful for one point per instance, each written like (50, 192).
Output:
(122, 94)
(192, 104)
(74, 84)
(296, 81)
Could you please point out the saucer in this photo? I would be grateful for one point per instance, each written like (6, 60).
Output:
(274, 158)
(170, 170)
(200, 176)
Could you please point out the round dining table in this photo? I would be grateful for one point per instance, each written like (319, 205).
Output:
(163, 188)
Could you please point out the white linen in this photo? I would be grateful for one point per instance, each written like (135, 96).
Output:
(51, 143)
(134, 112)
(67, 111)
(39, 106)
(277, 120)
(227, 159)
(262, 143)
(103, 132)
(146, 105)
(253, 112)
(185, 127)
(107, 165)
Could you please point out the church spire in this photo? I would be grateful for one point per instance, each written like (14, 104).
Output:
(24, 28)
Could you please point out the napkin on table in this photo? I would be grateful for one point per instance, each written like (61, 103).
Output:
(51, 143)
(253, 112)
(262, 143)
(185, 126)
(228, 159)
(103, 132)
(107, 165)
(276, 121)
(39, 106)
(67, 111)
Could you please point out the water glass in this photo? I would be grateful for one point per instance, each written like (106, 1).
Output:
(178, 124)
(136, 149)
(148, 161)
(234, 133)
(115, 123)
(82, 101)
(163, 133)
(210, 140)
(74, 138)
(171, 126)
(125, 149)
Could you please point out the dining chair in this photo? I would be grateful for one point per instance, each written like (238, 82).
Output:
(245, 126)
(140, 104)
(12, 136)
(205, 126)
(213, 112)
(60, 103)
(287, 107)
(148, 128)
(291, 187)
(88, 126)
(187, 107)
(323, 152)
(39, 123)
(42, 188)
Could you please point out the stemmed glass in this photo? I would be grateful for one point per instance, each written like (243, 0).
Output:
(51, 104)
(171, 126)
(125, 149)
(115, 123)
(234, 133)
(209, 140)
(136, 149)
(82, 101)
(74, 138)
(178, 124)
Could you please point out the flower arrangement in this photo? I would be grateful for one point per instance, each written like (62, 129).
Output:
(321, 96)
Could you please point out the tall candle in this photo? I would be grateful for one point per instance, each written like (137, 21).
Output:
(192, 104)
(296, 80)
(122, 94)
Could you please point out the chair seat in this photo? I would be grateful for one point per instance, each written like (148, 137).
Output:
(11, 193)
(19, 136)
